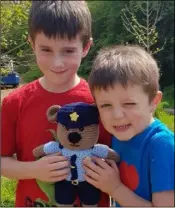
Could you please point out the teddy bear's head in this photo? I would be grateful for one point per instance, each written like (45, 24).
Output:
(77, 124)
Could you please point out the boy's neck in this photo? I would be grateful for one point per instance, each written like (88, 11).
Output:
(59, 88)
(152, 120)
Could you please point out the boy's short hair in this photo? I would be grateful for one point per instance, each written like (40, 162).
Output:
(125, 65)
(60, 19)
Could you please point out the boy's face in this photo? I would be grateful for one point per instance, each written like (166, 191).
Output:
(58, 59)
(125, 112)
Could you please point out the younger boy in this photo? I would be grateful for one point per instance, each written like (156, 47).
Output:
(124, 82)
(59, 33)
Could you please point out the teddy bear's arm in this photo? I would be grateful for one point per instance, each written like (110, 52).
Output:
(112, 155)
(103, 151)
(39, 151)
(46, 149)
(51, 148)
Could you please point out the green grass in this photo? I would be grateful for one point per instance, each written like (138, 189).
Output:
(168, 95)
(8, 188)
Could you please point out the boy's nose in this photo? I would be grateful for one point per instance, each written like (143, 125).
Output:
(118, 113)
(58, 63)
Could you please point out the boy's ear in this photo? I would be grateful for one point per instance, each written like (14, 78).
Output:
(87, 47)
(31, 43)
(52, 113)
(157, 99)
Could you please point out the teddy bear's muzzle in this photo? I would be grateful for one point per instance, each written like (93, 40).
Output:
(74, 137)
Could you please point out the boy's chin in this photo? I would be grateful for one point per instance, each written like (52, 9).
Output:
(126, 137)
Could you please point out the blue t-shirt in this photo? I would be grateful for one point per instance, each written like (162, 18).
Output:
(147, 160)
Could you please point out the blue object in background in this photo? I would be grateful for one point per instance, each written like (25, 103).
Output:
(11, 79)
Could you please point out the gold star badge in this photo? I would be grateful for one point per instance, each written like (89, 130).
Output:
(74, 116)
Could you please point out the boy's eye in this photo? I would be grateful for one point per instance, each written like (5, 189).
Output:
(69, 51)
(130, 104)
(46, 50)
(105, 105)
(67, 128)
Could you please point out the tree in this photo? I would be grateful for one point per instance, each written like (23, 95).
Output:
(140, 19)
(14, 33)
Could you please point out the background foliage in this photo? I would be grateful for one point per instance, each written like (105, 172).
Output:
(108, 28)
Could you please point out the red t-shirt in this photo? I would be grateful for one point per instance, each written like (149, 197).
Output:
(25, 125)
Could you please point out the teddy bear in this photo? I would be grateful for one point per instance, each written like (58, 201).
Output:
(77, 136)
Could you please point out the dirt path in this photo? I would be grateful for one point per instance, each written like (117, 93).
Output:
(5, 92)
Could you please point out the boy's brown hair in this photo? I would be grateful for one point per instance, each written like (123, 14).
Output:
(125, 65)
(60, 19)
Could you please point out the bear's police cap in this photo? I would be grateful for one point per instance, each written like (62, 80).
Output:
(78, 115)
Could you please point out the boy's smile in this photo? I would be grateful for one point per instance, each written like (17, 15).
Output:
(125, 112)
(59, 60)
(122, 128)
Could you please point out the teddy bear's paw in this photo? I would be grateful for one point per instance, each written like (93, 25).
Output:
(95, 205)
(64, 205)
(40, 203)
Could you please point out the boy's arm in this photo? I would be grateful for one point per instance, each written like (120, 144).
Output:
(9, 119)
(14, 169)
(162, 170)
(49, 168)
(126, 197)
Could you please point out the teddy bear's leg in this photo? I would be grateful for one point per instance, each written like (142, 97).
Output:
(88, 194)
(65, 194)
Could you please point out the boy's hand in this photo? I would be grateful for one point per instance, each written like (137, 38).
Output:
(103, 175)
(51, 168)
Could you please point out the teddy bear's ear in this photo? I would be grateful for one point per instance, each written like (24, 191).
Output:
(52, 112)
(95, 108)
(93, 104)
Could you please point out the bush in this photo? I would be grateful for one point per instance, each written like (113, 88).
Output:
(165, 117)
(168, 95)
(5, 71)
(31, 75)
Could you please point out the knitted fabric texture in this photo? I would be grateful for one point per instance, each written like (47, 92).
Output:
(77, 115)
(98, 150)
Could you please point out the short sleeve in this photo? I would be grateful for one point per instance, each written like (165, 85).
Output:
(51, 148)
(9, 116)
(162, 164)
(100, 150)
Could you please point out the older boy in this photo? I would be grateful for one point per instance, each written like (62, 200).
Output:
(124, 82)
(59, 33)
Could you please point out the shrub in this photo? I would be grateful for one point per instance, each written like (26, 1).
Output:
(31, 75)
(168, 95)
(5, 71)
(165, 117)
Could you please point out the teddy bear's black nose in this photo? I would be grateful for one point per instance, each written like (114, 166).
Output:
(74, 137)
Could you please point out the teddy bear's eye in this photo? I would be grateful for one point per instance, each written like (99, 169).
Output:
(81, 129)
(66, 128)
